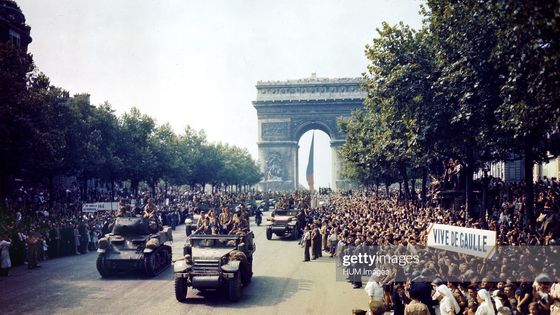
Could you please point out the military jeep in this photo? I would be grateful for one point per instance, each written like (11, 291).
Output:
(283, 222)
(215, 262)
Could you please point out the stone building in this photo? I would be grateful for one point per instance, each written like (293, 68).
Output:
(13, 29)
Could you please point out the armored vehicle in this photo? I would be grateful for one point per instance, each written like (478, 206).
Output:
(215, 262)
(134, 246)
(282, 223)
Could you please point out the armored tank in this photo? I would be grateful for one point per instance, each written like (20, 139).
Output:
(134, 244)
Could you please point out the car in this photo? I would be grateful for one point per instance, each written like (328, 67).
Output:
(133, 246)
(283, 222)
(215, 262)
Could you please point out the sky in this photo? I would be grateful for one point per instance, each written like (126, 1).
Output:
(197, 63)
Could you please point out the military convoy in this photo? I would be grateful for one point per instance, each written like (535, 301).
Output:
(134, 245)
(215, 262)
(282, 223)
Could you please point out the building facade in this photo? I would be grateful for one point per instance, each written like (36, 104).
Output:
(13, 29)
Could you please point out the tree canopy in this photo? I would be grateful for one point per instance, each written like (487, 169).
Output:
(45, 132)
(479, 82)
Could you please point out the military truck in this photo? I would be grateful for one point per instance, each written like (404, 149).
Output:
(283, 222)
(134, 246)
(214, 262)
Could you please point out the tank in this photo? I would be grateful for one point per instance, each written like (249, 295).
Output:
(133, 246)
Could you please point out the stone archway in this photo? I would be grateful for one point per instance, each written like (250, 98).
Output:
(288, 109)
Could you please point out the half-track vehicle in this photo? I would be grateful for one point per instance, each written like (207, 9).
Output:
(282, 223)
(134, 246)
(213, 262)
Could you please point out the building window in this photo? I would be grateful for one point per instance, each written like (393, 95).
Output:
(15, 39)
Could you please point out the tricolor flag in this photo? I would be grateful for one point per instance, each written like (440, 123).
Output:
(309, 173)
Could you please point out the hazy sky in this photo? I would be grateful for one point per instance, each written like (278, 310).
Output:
(197, 62)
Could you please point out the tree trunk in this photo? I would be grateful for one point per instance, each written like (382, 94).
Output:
(112, 189)
(387, 184)
(424, 184)
(84, 189)
(51, 192)
(529, 185)
(153, 186)
(134, 186)
(405, 180)
(468, 173)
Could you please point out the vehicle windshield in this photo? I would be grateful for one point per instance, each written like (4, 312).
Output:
(285, 212)
(214, 242)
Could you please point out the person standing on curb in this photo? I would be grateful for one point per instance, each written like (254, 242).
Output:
(5, 261)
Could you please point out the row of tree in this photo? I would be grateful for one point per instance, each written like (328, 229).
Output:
(45, 132)
(479, 82)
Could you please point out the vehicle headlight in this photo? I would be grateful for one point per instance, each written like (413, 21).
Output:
(224, 260)
(188, 259)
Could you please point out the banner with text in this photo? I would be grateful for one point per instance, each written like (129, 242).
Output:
(475, 242)
(99, 206)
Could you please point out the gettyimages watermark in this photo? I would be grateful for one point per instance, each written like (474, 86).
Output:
(422, 263)
(367, 264)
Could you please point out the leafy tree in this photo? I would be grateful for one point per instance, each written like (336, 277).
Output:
(48, 154)
(528, 48)
(467, 89)
(111, 166)
(15, 122)
(164, 147)
(134, 150)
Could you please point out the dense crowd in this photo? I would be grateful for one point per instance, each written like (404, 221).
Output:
(33, 227)
(523, 280)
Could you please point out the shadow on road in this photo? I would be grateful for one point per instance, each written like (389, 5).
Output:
(258, 293)
(165, 275)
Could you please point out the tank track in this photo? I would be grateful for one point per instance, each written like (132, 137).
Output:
(157, 261)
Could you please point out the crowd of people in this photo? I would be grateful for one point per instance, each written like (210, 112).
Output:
(523, 280)
(33, 227)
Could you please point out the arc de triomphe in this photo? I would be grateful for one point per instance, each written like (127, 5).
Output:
(288, 109)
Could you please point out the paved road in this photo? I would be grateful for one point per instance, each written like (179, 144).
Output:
(282, 284)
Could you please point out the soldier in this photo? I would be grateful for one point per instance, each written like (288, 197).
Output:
(315, 242)
(206, 228)
(245, 267)
(150, 213)
(301, 218)
(307, 243)
(33, 240)
(239, 224)
(324, 236)
(243, 212)
(150, 209)
(124, 209)
(225, 220)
